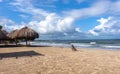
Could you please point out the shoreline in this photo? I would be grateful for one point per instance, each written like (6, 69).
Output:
(88, 48)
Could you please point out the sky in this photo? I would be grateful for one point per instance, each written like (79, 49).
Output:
(63, 19)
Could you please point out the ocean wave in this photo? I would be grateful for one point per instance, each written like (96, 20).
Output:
(51, 44)
(79, 45)
(111, 46)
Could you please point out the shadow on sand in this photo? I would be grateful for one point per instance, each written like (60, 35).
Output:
(20, 54)
(7, 46)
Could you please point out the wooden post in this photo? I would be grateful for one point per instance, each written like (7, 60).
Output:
(26, 41)
(16, 42)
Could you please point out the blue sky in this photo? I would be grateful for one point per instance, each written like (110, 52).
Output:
(63, 19)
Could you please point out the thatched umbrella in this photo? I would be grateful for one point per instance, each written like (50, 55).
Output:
(27, 34)
(3, 35)
(13, 35)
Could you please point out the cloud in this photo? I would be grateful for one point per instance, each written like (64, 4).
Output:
(10, 28)
(80, 1)
(1, 0)
(52, 23)
(108, 26)
(45, 4)
(4, 21)
(97, 8)
(45, 22)
(27, 7)
(114, 8)
(9, 25)
(23, 16)
(42, 21)
(78, 30)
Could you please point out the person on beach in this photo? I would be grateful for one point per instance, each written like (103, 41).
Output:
(73, 47)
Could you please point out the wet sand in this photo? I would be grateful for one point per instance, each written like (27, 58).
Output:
(55, 60)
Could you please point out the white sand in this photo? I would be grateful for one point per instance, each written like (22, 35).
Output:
(61, 61)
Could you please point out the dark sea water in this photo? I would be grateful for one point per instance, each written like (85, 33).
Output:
(92, 43)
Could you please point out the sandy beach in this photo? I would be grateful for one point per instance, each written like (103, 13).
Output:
(56, 60)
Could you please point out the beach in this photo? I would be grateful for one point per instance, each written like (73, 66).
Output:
(58, 60)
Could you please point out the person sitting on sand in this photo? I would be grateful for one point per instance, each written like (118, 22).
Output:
(73, 47)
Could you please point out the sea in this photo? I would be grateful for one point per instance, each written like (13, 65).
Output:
(88, 43)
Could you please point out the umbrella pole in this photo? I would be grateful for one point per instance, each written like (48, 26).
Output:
(29, 42)
(16, 42)
(26, 41)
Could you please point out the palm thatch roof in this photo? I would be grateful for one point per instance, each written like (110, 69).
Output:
(13, 34)
(27, 33)
(3, 35)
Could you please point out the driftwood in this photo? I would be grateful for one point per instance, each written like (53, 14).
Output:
(73, 48)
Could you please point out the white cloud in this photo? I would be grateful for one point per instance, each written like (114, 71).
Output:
(97, 8)
(108, 26)
(13, 27)
(1, 0)
(52, 23)
(48, 22)
(4, 21)
(65, 34)
(115, 8)
(78, 30)
(27, 7)
(43, 21)
(23, 16)
(45, 3)
(9, 25)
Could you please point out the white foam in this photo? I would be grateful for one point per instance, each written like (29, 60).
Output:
(108, 46)
(51, 44)
(92, 43)
(86, 45)
(81, 45)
